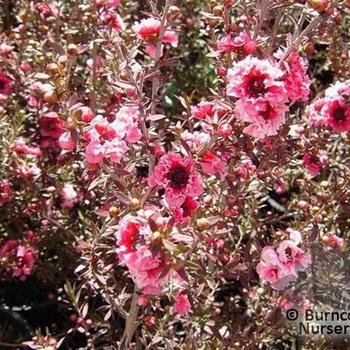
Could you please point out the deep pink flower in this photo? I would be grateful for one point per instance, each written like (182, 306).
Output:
(254, 80)
(113, 20)
(337, 113)
(178, 177)
(5, 84)
(144, 267)
(314, 163)
(17, 258)
(213, 165)
(5, 192)
(51, 125)
(296, 80)
(46, 11)
(182, 304)
(148, 30)
(184, 212)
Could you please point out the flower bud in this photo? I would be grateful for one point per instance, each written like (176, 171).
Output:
(72, 50)
(202, 224)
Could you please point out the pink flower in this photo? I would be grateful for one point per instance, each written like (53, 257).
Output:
(113, 20)
(334, 241)
(314, 163)
(178, 177)
(182, 304)
(254, 79)
(145, 268)
(85, 114)
(115, 150)
(265, 117)
(148, 30)
(203, 110)
(69, 196)
(5, 192)
(337, 113)
(5, 50)
(296, 80)
(126, 124)
(5, 84)
(292, 256)
(51, 125)
(333, 110)
(46, 11)
(17, 258)
(280, 265)
(241, 44)
(66, 142)
(270, 269)
(94, 152)
(108, 3)
(213, 165)
(246, 169)
(20, 146)
(184, 212)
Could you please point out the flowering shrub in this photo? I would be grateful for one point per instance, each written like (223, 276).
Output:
(174, 174)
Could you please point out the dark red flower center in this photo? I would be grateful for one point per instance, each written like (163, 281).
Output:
(339, 114)
(288, 253)
(178, 176)
(268, 113)
(255, 85)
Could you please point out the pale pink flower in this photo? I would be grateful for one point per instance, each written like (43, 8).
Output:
(196, 139)
(94, 152)
(292, 256)
(334, 241)
(5, 50)
(178, 177)
(20, 146)
(280, 265)
(69, 196)
(182, 305)
(66, 142)
(115, 150)
(265, 117)
(86, 114)
(271, 269)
